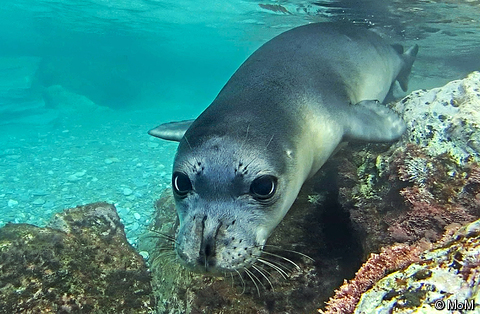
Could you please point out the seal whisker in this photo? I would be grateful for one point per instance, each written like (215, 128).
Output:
(231, 277)
(251, 161)
(188, 143)
(246, 137)
(156, 236)
(288, 267)
(264, 276)
(250, 274)
(169, 258)
(284, 258)
(275, 267)
(165, 248)
(271, 139)
(243, 281)
(259, 281)
(161, 235)
(263, 269)
(164, 255)
(290, 251)
(280, 264)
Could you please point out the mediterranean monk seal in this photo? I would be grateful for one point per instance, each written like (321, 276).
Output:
(240, 165)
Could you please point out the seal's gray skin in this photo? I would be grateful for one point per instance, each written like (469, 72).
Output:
(278, 118)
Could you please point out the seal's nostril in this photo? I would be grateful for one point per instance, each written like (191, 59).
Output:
(208, 250)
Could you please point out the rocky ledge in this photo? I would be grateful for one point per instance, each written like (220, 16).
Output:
(81, 263)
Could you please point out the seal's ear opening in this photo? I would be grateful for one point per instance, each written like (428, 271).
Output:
(171, 131)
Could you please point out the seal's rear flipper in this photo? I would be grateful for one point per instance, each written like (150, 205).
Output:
(172, 131)
(408, 59)
(369, 120)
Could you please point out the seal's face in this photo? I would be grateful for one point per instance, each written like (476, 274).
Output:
(228, 202)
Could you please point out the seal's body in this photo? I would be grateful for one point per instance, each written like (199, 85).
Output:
(242, 162)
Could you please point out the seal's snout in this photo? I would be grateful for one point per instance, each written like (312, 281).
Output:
(209, 243)
(209, 229)
(206, 257)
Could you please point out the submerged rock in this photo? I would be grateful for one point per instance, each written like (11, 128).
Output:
(421, 278)
(445, 120)
(82, 263)
(410, 193)
(443, 278)
(20, 97)
(416, 187)
(68, 102)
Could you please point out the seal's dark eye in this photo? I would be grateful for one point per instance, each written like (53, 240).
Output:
(181, 183)
(263, 187)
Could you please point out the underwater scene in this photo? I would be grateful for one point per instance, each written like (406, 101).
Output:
(240, 156)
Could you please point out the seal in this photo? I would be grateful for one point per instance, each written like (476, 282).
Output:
(240, 165)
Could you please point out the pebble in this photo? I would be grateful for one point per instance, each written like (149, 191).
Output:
(144, 254)
(39, 193)
(131, 197)
(80, 173)
(111, 160)
(12, 203)
(127, 191)
(49, 204)
(137, 216)
(38, 201)
(73, 178)
(135, 226)
(153, 145)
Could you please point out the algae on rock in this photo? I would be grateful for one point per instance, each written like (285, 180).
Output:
(443, 278)
(86, 267)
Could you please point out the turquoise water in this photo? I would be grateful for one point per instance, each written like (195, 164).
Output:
(81, 83)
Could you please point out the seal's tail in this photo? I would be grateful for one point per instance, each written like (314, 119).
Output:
(408, 59)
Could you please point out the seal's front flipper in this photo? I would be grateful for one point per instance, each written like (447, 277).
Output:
(172, 131)
(369, 120)
(408, 59)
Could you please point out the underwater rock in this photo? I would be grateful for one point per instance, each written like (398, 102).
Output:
(104, 80)
(17, 75)
(428, 180)
(20, 98)
(67, 102)
(442, 279)
(81, 263)
(445, 120)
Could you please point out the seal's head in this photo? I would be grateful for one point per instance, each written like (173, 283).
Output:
(228, 199)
